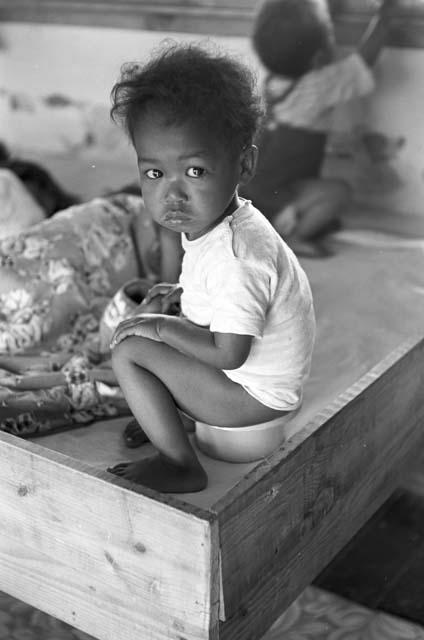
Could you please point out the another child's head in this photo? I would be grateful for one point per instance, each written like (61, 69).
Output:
(292, 37)
(39, 182)
(192, 116)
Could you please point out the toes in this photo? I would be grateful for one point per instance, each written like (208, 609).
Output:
(118, 469)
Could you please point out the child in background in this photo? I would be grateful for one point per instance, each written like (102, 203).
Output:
(41, 185)
(294, 40)
(240, 351)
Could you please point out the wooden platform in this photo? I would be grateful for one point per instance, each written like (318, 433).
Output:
(120, 561)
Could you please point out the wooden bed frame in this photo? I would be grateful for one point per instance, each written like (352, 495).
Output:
(122, 562)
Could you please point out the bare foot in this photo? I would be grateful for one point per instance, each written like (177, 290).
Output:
(159, 474)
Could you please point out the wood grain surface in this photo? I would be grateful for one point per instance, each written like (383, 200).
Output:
(115, 562)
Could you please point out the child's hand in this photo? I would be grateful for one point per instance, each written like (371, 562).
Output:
(146, 306)
(164, 293)
(144, 326)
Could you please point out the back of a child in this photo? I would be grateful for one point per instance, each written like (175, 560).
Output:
(242, 278)
(305, 81)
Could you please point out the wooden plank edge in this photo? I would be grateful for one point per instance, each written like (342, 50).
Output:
(60, 593)
(114, 561)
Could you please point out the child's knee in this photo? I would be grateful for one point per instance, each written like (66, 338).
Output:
(123, 352)
(135, 350)
(117, 356)
(326, 200)
(307, 193)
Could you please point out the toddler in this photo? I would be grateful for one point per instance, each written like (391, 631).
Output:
(240, 351)
(294, 40)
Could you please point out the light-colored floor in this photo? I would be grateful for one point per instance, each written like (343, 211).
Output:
(315, 615)
(319, 615)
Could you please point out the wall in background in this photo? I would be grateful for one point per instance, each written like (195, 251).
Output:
(385, 163)
(81, 61)
(61, 76)
(58, 80)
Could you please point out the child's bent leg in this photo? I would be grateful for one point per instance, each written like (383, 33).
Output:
(319, 205)
(157, 380)
(177, 468)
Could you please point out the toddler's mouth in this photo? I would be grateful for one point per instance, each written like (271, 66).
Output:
(176, 216)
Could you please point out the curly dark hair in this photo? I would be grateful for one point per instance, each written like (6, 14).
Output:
(288, 33)
(187, 82)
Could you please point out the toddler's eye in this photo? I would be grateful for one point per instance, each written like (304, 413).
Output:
(195, 172)
(153, 174)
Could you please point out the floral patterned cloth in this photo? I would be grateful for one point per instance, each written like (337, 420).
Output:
(56, 277)
(55, 281)
(36, 402)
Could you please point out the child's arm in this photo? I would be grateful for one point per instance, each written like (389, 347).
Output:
(219, 350)
(375, 36)
(160, 298)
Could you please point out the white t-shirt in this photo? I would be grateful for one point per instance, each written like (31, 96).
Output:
(242, 278)
(310, 102)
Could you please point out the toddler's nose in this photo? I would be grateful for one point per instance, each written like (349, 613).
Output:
(175, 192)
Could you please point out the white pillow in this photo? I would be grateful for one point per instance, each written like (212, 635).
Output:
(18, 209)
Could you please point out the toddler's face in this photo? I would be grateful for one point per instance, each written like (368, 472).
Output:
(188, 179)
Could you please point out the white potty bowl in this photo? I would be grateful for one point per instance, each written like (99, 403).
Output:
(240, 444)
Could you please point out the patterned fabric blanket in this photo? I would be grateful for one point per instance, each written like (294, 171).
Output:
(55, 282)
